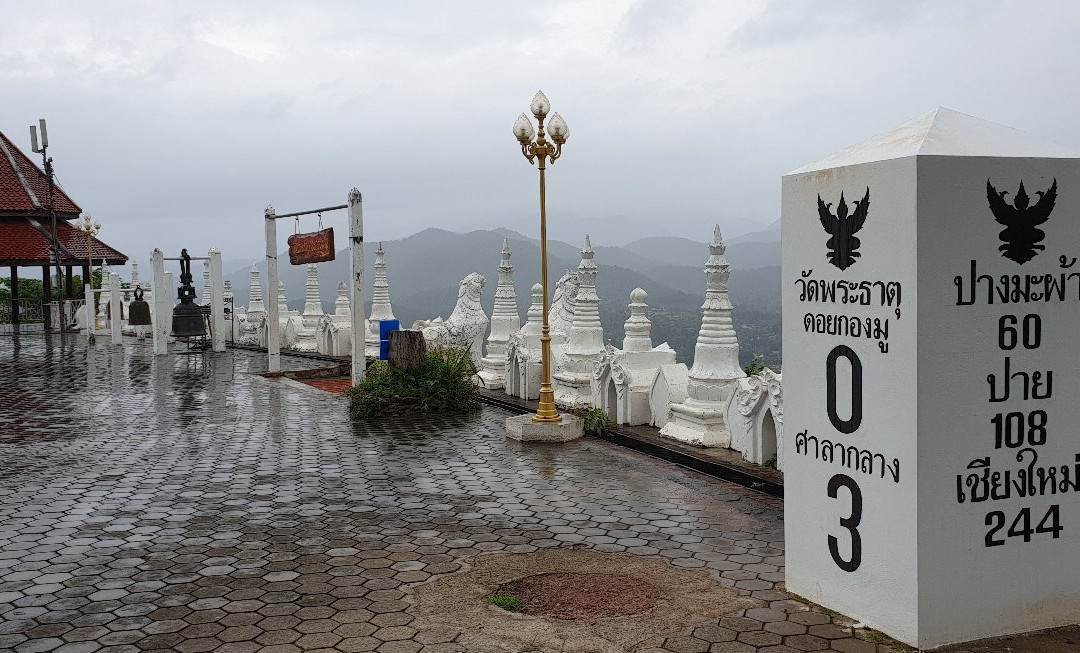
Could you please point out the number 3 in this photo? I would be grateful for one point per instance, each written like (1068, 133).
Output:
(851, 523)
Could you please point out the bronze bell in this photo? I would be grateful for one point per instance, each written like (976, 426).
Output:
(187, 316)
(139, 309)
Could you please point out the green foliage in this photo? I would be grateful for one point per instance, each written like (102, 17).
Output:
(771, 462)
(443, 382)
(508, 602)
(596, 422)
(755, 366)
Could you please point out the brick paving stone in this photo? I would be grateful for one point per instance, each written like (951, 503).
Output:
(854, 646)
(686, 645)
(807, 643)
(182, 503)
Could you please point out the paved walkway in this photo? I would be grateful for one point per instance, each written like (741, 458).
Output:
(186, 504)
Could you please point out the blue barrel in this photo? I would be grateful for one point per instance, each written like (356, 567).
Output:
(385, 327)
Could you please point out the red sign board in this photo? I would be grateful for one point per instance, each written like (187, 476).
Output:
(314, 247)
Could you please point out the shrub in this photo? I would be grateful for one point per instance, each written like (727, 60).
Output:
(596, 422)
(443, 382)
(754, 366)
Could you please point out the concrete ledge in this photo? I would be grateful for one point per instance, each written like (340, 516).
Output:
(524, 429)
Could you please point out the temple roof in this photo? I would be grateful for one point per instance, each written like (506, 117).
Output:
(942, 132)
(28, 241)
(24, 189)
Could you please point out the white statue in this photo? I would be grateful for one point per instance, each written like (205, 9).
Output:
(505, 321)
(466, 325)
(623, 378)
(574, 365)
(713, 378)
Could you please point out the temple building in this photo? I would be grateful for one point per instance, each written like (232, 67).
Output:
(26, 235)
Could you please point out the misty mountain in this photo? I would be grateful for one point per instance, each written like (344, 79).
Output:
(424, 270)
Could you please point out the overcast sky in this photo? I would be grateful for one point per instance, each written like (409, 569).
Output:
(175, 124)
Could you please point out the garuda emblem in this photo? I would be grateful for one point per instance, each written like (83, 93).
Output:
(1021, 237)
(843, 245)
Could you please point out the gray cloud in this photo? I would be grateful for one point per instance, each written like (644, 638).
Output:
(175, 124)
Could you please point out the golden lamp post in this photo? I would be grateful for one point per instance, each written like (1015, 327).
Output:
(539, 151)
(91, 228)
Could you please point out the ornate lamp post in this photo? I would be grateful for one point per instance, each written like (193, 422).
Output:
(91, 228)
(539, 151)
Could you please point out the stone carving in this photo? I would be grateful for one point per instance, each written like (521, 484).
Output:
(623, 378)
(380, 305)
(572, 378)
(712, 380)
(523, 362)
(561, 315)
(759, 402)
(505, 321)
(466, 325)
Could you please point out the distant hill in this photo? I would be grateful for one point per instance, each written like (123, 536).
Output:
(669, 250)
(424, 270)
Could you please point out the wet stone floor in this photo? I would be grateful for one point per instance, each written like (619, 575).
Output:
(188, 504)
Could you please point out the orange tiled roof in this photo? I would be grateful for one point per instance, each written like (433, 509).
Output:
(24, 189)
(28, 241)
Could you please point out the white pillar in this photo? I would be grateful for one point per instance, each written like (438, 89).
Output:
(88, 295)
(114, 308)
(356, 247)
(273, 344)
(217, 302)
(158, 295)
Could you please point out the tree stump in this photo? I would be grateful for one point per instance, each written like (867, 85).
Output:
(407, 348)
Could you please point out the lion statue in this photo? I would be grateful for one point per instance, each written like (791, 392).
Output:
(562, 305)
(466, 326)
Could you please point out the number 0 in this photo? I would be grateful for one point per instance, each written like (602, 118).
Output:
(844, 425)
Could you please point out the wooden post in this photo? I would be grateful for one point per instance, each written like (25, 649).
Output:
(69, 283)
(46, 296)
(116, 310)
(15, 294)
(160, 294)
(217, 301)
(407, 348)
(356, 296)
(273, 342)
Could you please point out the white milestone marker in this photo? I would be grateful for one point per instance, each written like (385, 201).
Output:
(931, 293)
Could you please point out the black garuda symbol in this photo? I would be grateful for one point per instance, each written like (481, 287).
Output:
(843, 245)
(1020, 237)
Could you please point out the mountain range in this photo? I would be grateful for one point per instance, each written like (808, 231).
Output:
(424, 269)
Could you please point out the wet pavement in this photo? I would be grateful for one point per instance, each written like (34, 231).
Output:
(187, 504)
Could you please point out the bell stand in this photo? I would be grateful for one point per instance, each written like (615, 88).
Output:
(163, 302)
(356, 282)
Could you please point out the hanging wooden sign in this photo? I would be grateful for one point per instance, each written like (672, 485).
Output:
(314, 247)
